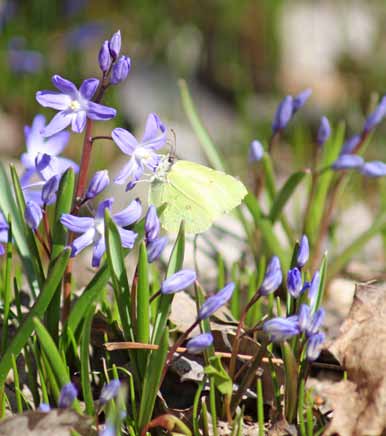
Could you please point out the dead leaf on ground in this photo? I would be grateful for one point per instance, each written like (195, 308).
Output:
(360, 402)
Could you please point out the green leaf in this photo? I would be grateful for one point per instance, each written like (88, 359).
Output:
(25, 330)
(322, 283)
(221, 378)
(291, 382)
(84, 361)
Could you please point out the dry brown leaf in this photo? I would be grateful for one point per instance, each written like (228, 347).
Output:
(360, 402)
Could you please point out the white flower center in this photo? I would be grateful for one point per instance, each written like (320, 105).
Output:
(99, 228)
(75, 105)
(142, 154)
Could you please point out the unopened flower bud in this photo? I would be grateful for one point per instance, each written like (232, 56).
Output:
(350, 144)
(178, 281)
(300, 100)
(303, 252)
(109, 391)
(314, 289)
(104, 57)
(316, 322)
(314, 346)
(347, 162)
(67, 396)
(120, 70)
(44, 407)
(283, 114)
(199, 343)
(280, 329)
(152, 224)
(294, 282)
(273, 277)
(256, 151)
(304, 317)
(155, 248)
(376, 116)
(98, 183)
(115, 45)
(213, 303)
(324, 131)
(33, 214)
(49, 190)
(374, 169)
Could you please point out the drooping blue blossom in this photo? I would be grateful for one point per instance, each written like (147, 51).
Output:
(49, 190)
(120, 70)
(376, 116)
(273, 277)
(74, 105)
(300, 100)
(178, 281)
(314, 289)
(142, 154)
(256, 151)
(36, 143)
(350, 144)
(199, 343)
(33, 214)
(294, 282)
(115, 45)
(213, 303)
(324, 131)
(93, 229)
(152, 224)
(104, 58)
(283, 114)
(280, 329)
(109, 391)
(373, 169)
(3, 233)
(304, 317)
(347, 162)
(98, 183)
(155, 248)
(314, 346)
(67, 396)
(44, 407)
(316, 322)
(303, 252)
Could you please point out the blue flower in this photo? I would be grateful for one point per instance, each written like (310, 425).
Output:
(98, 183)
(120, 70)
(67, 396)
(109, 391)
(104, 58)
(283, 114)
(347, 161)
(376, 116)
(303, 252)
(213, 303)
(314, 289)
(155, 248)
(44, 407)
(115, 45)
(304, 317)
(199, 343)
(74, 105)
(350, 144)
(142, 153)
(3, 232)
(256, 151)
(324, 131)
(294, 282)
(178, 281)
(373, 169)
(93, 229)
(280, 329)
(314, 346)
(316, 322)
(33, 214)
(273, 277)
(300, 99)
(152, 224)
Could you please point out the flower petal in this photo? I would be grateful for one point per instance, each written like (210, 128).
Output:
(57, 143)
(99, 112)
(64, 85)
(131, 169)
(88, 88)
(54, 100)
(76, 224)
(105, 204)
(129, 215)
(60, 121)
(155, 133)
(127, 237)
(99, 249)
(82, 242)
(125, 140)
(79, 121)
(26, 176)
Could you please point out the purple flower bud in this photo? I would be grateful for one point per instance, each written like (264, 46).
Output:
(373, 169)
(67, 396)
(324, 131)
(273, 277)
(44, 407)
(199, 343)
(178, 281)
(294, 282)
(152, 224)
(283, 114)
(304, 317)
(256, 151)
(314, 346)
(115, 45)
(300, 100)
(49, 190)
(314, 289)
(280, 329)
(104, 58)
(108, 430)
(376, 116)
(131, 185)
(33, 214)
(347, 161)
(155, 248)
(303, 252)
(120, 70)
(214, 302)
(98, 183)
(350, 144)
(109, 391)
(316, 322)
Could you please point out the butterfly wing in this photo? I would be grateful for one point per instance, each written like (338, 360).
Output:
(196, 194)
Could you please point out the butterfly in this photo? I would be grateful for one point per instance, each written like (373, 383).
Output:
(193, 193)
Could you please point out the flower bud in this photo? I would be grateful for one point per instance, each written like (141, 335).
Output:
(314, 289)
(33, 214)
(109, 391)
(294, 282)
(324, 131)
(98, 183)
(155, 248)
(256, 151)
(120, 70)
(374, 169)
(104, 58)
(50, 189)
(199, 343)
(350, 144)
(316, 322)
(115, 45)
(67, 396)
(300, 100)
(303, 252)
(304, 317)
(44, 407)
(376, 116)
(178, 281)
(152, 224)
(213, 303)
(280, 329)
(347, 161)
(273, 277)
(314, 346)
(283, 114)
